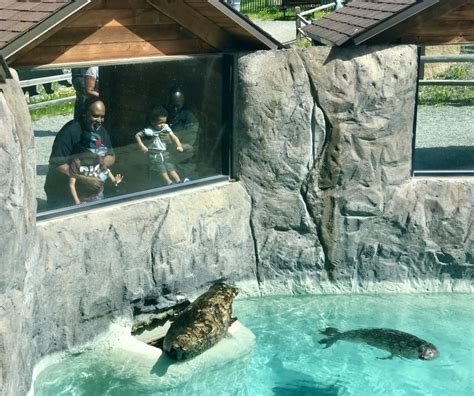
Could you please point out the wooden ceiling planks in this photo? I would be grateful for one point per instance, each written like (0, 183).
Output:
(110, 30)
(94, 53)
(185, 15)
(217, 17)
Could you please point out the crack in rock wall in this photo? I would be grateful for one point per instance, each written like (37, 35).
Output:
(278, 130)
(366, 225)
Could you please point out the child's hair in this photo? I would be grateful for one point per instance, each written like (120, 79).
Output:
(157, 112)
(87, 155)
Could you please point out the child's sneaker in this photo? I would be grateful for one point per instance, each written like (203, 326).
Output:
(185, 180)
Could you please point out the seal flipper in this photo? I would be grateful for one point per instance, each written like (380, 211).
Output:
(332, 334)
(328, 341)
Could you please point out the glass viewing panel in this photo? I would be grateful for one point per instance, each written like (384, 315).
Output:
(161, 125)
(445, 112)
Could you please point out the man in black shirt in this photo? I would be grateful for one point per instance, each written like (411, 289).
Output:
(66, 144)
(185, 125)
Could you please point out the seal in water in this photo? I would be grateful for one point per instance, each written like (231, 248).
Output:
(201, 324)
(396, 342)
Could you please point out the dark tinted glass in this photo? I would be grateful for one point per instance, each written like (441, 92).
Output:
(445, 112)
(164, 124)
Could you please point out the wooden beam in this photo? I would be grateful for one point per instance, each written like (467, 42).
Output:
(96, 53)
(4, 70)
(249, 27)
(196, 23)
(116, 34)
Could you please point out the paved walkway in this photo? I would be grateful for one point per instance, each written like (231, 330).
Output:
(283, 31)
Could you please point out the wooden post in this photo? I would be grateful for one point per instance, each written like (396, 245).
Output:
(421, 73)
(298, 22)
(4, 70)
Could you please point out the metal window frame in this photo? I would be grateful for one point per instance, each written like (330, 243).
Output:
(132, 197)
(227, 158)
(428, 172)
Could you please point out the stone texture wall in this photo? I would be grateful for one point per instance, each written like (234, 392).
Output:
(325, 203)
(65, 280)
(324, 141)
(17, 229)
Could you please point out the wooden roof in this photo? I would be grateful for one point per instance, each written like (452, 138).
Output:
(60, 32)
(17, 17)
(422, 22)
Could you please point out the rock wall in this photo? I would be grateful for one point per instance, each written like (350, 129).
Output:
(325, 204)
(324, 142)
(65, 280)
(17, 229)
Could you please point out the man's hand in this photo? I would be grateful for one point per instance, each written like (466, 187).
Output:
(92, 185)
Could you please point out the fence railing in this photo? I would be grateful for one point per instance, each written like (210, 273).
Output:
(255, 6)
(46, 80)
(447, 59)
(302, 21)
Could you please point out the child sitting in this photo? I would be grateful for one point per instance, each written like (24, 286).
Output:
(158, 157)
(89, 162)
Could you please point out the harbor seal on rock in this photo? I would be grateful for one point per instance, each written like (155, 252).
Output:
(396, 342)
(201, 324)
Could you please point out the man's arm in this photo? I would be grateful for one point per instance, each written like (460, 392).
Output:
(90, 86)
(176, 141)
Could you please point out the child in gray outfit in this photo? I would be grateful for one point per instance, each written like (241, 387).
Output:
(158, 157)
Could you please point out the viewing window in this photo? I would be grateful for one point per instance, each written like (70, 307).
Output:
(444, 143)
(165, 126)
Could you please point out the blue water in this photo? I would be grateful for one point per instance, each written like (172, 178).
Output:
(288, 360)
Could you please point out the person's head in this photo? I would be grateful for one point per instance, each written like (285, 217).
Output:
(94, 113)
(176, 100)
(158, 117)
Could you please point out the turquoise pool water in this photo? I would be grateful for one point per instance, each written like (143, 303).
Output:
(288, 360)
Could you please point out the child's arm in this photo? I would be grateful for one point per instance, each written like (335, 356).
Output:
(72, 188)
(115, 179)
(176, 141)
(140, 143)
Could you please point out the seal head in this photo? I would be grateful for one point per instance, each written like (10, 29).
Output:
(427, 351)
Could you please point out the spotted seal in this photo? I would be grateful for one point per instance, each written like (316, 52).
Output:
(398, 343)
(201, 324)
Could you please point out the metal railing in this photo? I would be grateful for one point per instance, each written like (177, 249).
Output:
(46, 80)
(447, 59)
(441, 59)
(302, 21)
(255, 6)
